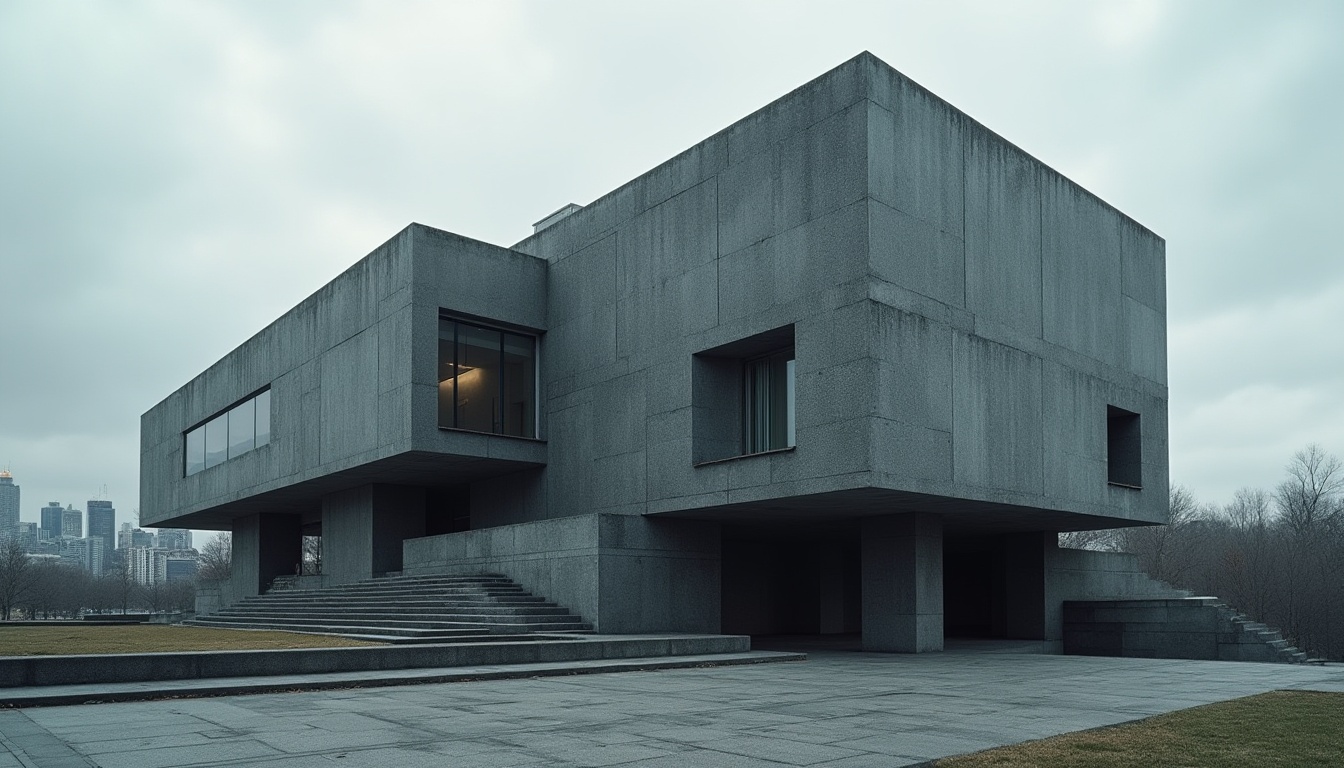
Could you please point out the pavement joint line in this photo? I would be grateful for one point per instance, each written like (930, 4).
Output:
(46, 696)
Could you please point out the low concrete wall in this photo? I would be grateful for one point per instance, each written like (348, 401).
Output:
(1080, 574)
(214, 596)
(622, 573)
(1188, 628)
(140, 667)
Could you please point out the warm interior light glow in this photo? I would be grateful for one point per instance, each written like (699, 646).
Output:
(462, 371)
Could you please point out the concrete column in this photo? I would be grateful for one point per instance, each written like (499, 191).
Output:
(903, 583)
(264, 546)
(363, 529)
(1024, 584)
(831, 562)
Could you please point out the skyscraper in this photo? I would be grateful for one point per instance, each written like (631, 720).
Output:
(72, 522)
(9, 503)
(52, 516)
(103, 524)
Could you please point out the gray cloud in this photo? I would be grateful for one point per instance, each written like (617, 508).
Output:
(175, 176)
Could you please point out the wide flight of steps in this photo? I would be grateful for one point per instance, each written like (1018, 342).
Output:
(403, 609)
(1172, 628)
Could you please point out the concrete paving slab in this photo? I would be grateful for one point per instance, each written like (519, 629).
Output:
(835, 709)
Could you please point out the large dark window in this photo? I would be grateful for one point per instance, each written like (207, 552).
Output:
(487, 379)
(767, 404)
(231, 433)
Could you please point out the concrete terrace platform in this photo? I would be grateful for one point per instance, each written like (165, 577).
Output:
(836, 709)
(42, 671)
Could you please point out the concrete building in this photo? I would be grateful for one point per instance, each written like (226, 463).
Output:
(9, 503)
(26, 533)
(173, 538)
(103, 523)
(86, 553)
(128, 537)
(848, 365)
(150, 566)
(179, 568)
(72, 522)
(52, 520)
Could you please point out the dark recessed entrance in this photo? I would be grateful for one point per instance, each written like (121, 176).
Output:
(802, 579)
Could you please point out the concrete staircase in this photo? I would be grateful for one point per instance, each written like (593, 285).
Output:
(1171, 628)
(403, 609)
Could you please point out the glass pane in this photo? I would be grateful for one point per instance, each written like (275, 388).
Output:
(791, 431)
(195, 450)
(478, 351)
(447, 372)
(217, 440)
(756, 380)
(242, 428)
(519, 385)
(263, 404)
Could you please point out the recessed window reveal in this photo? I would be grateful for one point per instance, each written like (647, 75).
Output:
(232, 433)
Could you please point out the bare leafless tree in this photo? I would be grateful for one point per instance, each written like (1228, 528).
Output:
(1309, 498)
(216, 561)
(16, 575)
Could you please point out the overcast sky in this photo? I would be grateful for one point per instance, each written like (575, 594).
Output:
(174, 176)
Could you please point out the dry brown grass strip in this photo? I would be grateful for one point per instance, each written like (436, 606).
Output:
(1282, 728)
(152, 638)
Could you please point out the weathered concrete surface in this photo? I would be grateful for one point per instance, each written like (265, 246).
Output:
(136, 667)
(621, 573)
(846, 709)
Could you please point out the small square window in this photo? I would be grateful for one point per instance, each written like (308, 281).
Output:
(1124, 448)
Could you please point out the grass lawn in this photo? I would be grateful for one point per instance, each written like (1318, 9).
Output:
(151, 638)
(1283, 728)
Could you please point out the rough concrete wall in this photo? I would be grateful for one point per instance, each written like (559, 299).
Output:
(338, 366)
(1014, 307)
(264, 546)
(624, 574)
(213, 596)
(1079, 574)
(760, 227)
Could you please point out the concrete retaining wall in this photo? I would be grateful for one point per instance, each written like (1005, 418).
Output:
(137, 667)
(1185, 628)
(622, 573)
(1080, 574)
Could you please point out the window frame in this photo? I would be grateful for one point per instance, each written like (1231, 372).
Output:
(498, 417)
(758, 437)
(224, 416)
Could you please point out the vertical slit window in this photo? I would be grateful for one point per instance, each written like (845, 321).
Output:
(768, 403)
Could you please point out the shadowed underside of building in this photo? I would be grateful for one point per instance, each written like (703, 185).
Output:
(848, 365)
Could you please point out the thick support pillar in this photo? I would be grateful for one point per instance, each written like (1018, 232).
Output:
(831, 561)
(903, 583)
(1024, 584)
(363, 530)
(264, 546)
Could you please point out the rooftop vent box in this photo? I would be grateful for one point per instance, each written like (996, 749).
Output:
(554, 217)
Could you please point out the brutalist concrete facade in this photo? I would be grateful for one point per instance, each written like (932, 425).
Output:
(978, 362)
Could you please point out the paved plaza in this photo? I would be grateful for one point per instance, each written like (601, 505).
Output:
(836, 709)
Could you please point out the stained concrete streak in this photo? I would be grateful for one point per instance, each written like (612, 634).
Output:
(838, 709)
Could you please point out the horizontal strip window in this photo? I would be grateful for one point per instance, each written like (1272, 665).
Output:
(234, 432)
(487, 379)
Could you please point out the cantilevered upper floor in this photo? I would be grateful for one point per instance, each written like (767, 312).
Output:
(856, 300)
